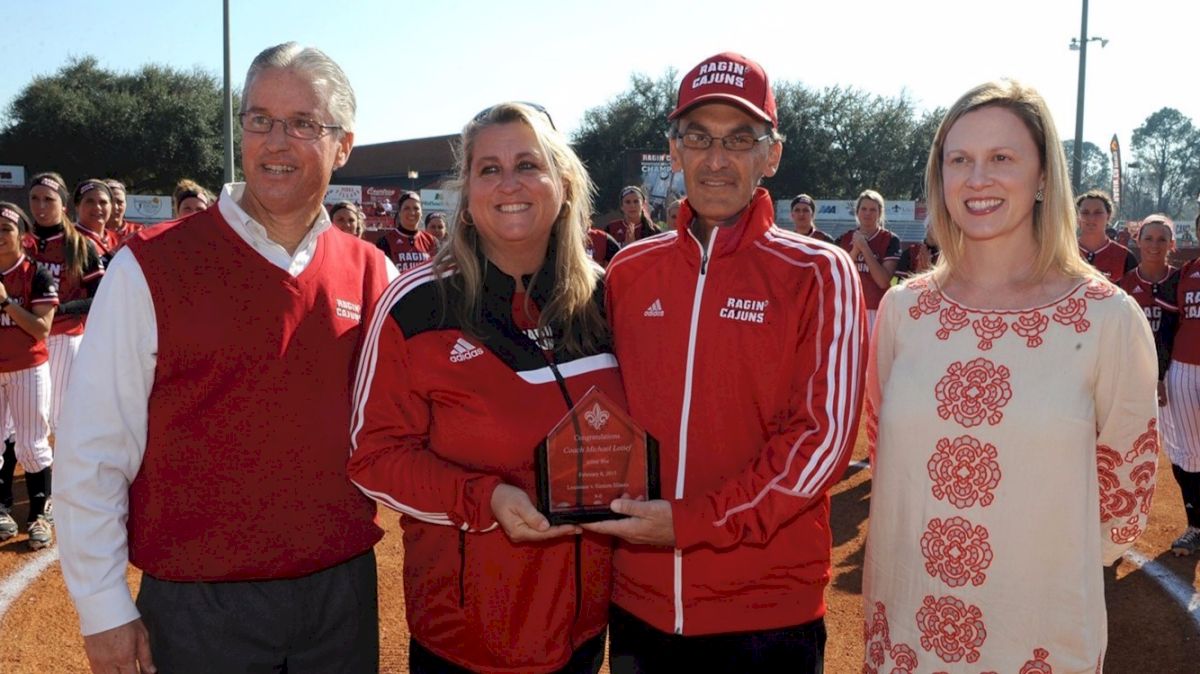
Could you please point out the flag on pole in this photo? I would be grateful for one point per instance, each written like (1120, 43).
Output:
(1115, 148)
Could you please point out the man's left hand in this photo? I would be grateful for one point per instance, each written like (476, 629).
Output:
(648, 523)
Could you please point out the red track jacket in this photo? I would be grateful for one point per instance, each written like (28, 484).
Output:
(745, 358)
(440, 419)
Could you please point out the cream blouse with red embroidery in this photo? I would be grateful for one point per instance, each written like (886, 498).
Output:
(1013, 453)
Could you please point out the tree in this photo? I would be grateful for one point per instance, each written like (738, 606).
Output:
(147, 129)
(1167, 149)
(838, 141)
(843, 140)
(1096, 167)
(635, 120)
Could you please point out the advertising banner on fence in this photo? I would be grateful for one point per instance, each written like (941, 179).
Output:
(148, 208)
(444, 201)
(337, 193)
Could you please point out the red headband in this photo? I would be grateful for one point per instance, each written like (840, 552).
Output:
(11, 215)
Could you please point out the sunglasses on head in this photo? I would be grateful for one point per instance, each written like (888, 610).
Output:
(483, 114)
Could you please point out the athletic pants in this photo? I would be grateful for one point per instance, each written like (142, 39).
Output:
(327, 621)
(587, 659)
(62, 356)
(637, 648)
(1189, 488)
(25, 395)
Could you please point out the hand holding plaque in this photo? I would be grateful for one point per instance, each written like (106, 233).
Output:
(595, 454)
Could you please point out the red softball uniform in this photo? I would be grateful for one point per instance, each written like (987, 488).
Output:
(1112, 259)
(1187, 338)
(27, 285)
(106, 242)
(407, 250)
(49, 252)
(1158, 301)
(886, 246)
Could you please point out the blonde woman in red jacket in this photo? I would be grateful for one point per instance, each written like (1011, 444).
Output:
(469, 362)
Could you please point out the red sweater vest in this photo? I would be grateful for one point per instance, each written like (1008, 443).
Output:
(244, 474)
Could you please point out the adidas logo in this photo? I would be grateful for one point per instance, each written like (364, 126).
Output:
(1137, 290)
(655, 309)
(1195, 274)
(463, 351)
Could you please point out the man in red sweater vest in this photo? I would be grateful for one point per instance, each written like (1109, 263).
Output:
(751, 382)
(205, 436)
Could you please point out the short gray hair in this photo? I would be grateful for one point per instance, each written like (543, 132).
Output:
(326, 75)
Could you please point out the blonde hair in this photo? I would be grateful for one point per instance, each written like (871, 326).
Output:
(871, 195)
(1054, 218)
(571, 306)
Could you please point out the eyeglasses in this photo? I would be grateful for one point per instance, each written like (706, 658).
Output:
(483, 114)
(737, 142)
(296, 127)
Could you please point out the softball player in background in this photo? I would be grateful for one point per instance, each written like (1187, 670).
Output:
(28, 298)
(75, 265)
(1181, 415)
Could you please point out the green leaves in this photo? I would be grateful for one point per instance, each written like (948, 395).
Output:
(147, 128)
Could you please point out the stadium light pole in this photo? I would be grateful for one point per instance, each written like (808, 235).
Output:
(228, 103)
(1080, 44)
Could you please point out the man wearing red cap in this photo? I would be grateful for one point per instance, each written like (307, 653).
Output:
(752, 385)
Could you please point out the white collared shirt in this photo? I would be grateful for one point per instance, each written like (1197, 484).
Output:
(102, 434)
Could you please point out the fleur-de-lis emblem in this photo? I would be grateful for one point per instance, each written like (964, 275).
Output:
(597, 416)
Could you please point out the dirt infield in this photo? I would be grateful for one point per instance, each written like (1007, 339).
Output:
(1149, 632)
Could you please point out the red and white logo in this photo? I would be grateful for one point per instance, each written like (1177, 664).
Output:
(464, 351)
(655, 309)
(348, 309)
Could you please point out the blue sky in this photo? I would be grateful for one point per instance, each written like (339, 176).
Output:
(423, 69)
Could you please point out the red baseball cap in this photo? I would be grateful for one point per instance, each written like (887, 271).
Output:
(729, 78)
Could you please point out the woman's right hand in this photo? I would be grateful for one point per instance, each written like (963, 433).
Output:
(520, 520)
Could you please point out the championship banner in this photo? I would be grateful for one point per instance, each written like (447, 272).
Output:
(1115, 148)
(379, 205)
(652, 172)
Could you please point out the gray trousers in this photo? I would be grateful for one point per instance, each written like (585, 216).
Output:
(322, 623)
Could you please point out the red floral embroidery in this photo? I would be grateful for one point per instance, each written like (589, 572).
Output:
(1128, 533)
(1031, 326)
(964, 471)
(973, 393)
(951, 629)
(904, 659)
(952, 318)
(872, 430)
(989, 329)
(879, 646)
(956, 552)
(1146, 443)
(1071, 312)
(928, 302)
(1143, 474)
(1143, 477)
(875, 653)
(1099, 291)
(1038, 664)
(1114, 501)
(877, 627)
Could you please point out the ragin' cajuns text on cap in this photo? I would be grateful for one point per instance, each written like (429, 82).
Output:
(728, 78)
